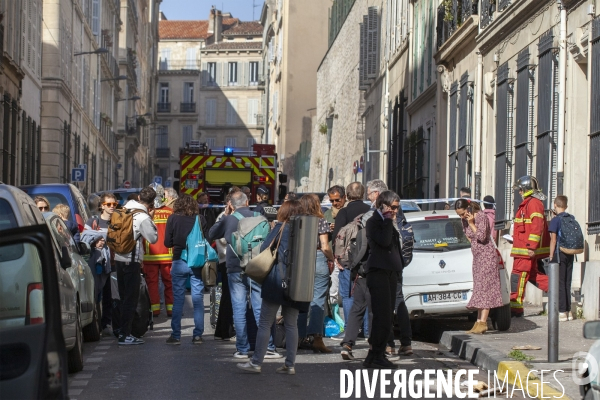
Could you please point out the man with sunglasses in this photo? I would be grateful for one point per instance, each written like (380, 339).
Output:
(107, 205)
(337, 197)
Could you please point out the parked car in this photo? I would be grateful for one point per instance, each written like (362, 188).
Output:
(34, 356)
(64, 193)
(121, 194)
(591, 390)
(17, 209)
(439, 281)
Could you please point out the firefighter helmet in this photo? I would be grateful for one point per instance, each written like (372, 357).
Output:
(530, 187)
(159, 200)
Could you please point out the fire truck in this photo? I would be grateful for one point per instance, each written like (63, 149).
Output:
(216, 171)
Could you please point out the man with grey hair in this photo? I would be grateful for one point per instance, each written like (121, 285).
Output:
(239, 283)
(170, 196)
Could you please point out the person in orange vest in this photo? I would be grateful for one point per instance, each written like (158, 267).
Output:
(157, 257)
(531, 242)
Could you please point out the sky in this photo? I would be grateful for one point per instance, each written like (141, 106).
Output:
(199, 9)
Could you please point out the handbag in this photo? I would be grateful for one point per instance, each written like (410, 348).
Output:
(259, 267)
(209, 274)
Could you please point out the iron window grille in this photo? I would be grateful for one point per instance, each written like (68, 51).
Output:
(452, 155)
(465, 132)
(594, 172)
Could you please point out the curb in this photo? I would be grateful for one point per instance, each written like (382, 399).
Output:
(488, 358)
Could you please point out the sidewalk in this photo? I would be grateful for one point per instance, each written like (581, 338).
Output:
(491, 350)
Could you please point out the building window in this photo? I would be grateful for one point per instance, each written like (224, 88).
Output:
(190, 58)
(211, 71)
(162, 137)
(503, 180)
(164, 92)
(547, 118)
(233, 74)
(524, 121)
(250, 142)
(165, 59)
(465, 131)
(594, 173)
(253, 73)
(211, 111)
(211, 142)
(232, 116)
(452, 153)
(187, 134)
(275, 110)
(252, 111)
(230, 142)
(416, 164)
(397, 134)
(188, 92)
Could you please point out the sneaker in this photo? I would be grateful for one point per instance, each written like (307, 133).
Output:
(563, 317)
(129, 340)
(249, 367)
(239, 354)
(339, 336)
(197, 340)
(347, 353)
(570, 316)
(272, 354)
(390, 354)
(172, 340)
(286, 370)
(405, 351)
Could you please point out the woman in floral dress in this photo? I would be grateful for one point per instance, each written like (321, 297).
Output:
(486, 280)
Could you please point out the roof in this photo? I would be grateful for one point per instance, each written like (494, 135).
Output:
(190, 29)
(235, 46)
(244, 29)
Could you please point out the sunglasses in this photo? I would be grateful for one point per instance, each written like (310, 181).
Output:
(394, 208)
(44, 208)
(110, 204)
(336, 200)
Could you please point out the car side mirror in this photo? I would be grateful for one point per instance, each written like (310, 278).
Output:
(65, 258)
(591, 330)
(84, 248)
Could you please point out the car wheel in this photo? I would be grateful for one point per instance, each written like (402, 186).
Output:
(75, 357)
(472, 317)
(501, 317)
(91, 333)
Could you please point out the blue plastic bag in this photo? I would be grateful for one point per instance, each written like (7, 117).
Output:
(331, 327)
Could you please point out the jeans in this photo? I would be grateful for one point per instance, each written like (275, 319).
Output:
(239, 286)
(345, 285)
(565, 276)
(179, 274)
(382, 286)
(268, 313)
(317, 305)
(128, 278)
(361, 308)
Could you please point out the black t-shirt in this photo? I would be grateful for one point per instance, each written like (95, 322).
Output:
(102, 223)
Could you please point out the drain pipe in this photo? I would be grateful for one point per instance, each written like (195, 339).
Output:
(478, 106)
(562, 77)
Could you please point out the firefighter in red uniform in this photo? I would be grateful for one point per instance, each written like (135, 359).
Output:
(531, 242)
(157, 257)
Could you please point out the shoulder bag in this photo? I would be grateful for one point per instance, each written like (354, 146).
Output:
(259, 267)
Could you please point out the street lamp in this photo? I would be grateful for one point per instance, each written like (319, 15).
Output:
(131, 98)
(119, 78)
(101, 50)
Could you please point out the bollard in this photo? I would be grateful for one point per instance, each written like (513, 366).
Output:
(553, 312)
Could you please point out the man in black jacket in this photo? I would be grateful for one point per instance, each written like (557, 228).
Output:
(354, 193)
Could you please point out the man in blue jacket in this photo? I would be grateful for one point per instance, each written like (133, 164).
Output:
(239, 283)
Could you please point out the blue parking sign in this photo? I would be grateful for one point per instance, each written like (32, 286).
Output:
(78, 175)
(158, 180)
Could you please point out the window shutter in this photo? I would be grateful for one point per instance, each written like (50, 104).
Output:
(372, 42)
(452, 138)
(362, 63)
(252, 111)
(96, 17)
(247, 73)
(225, 72)
(187, 134)
(190, 58)
(232, 112)
(204, 74)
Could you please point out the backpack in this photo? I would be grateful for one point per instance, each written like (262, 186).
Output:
(251, 233)
(120, 237)
(195, 252)
(570, 236)
(346, 240)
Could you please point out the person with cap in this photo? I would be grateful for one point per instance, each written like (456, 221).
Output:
(158, 257)
(262, 199)
(531, 242)
(489, 204)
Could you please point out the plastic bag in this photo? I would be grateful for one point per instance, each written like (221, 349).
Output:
(331, 327)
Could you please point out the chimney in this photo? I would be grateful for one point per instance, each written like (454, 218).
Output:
(218, 27)
(211, 20)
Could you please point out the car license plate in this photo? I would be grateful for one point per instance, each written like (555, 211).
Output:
(444, 297)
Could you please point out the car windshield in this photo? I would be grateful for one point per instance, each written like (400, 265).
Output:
(444, 234)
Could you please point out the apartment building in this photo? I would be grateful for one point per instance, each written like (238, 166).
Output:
(295, 41)
(20, 91)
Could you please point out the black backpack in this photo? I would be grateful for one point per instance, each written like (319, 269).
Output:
(570, 236)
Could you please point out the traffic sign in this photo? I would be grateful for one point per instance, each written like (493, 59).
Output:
(361, 163)
(119, 165)
(168, 183)
(355, 167)
(127, 185)
(78, 174)
(158, 180)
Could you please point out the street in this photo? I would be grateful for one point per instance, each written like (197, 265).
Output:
(207, 371)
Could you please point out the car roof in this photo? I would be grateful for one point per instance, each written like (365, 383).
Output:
(16, 198)
(422, 214)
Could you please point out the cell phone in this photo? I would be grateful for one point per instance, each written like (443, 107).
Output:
(470, 210)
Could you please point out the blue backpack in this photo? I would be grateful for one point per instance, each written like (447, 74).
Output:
(570, 236)
(197, 249)
(251, 233)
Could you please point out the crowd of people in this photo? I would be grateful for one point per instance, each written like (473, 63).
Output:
(367, 287)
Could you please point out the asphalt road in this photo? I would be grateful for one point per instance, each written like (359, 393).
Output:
(207, 371)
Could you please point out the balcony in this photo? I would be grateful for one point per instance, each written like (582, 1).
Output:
(132, 64)
(453, 15)
(187, 107)
(163, 152)
(163, 107)
(132, 126)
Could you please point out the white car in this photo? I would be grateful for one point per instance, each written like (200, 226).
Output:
(439, 280)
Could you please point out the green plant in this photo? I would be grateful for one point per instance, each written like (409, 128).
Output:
(323, 128)
(448, 17)
(519, 356)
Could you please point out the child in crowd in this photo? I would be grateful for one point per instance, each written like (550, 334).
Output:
(63, 211)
